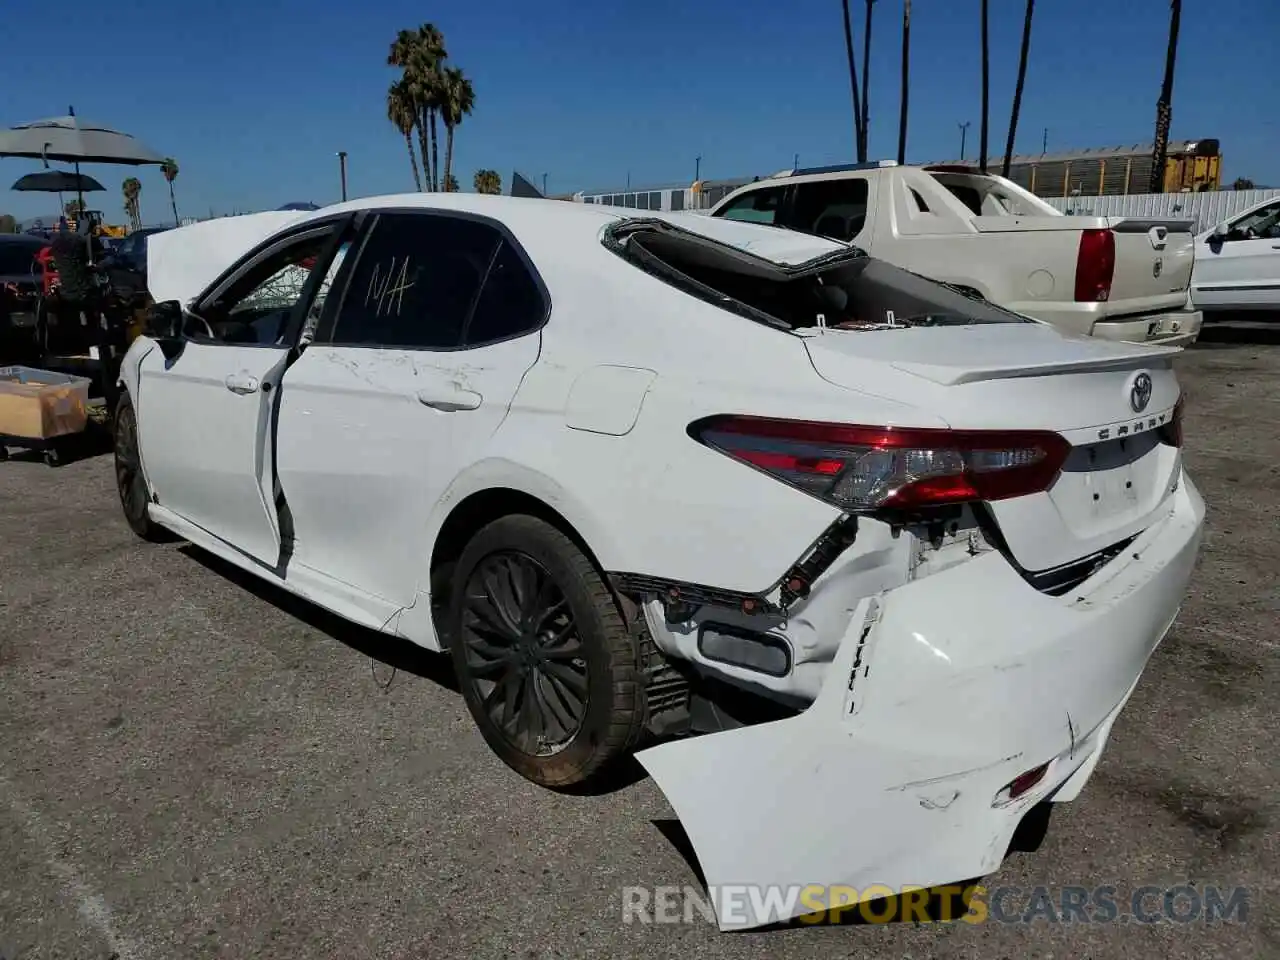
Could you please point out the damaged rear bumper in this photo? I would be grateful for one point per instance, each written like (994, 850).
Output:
(942, 693)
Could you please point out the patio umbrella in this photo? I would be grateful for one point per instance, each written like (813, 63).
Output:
(73, 141)
(57, 181)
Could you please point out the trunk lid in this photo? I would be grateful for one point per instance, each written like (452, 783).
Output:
(1110, 400)
(1153, 258)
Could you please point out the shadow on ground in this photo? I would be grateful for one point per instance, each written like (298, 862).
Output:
(1239, 330)
(395, 652)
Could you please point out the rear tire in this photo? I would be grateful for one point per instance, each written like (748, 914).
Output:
(131, 485)
(546, 664)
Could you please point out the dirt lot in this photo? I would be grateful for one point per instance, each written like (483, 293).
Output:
(191, 765)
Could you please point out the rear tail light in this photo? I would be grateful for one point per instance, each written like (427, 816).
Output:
(866, 468)
(1095, 265)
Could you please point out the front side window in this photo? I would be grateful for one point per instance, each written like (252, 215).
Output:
(257, 306)
(416, 282)
(1263, 223)
(757, 206)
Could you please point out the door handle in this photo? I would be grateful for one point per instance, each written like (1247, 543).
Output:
(241, 383)
(449, 398)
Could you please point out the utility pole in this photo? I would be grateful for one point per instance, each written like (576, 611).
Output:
(964, 130)
(866, 84)
(1164, 107)
(544, 184)
(795, 163)
(986, 72)
(342, 171)
(906, 76)
(1044, 144)
(697, 168)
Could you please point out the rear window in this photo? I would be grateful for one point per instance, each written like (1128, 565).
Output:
(18, 258)
(848, 291)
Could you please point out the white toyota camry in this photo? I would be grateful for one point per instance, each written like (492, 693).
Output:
(867, 567)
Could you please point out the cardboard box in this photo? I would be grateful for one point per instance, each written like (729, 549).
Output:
(39, 404)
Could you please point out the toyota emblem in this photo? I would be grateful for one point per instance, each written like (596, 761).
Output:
(1140, 392)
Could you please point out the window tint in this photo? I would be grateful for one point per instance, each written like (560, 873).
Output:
(510, 304)
(758, 206)
(416, 281)
(831, 208)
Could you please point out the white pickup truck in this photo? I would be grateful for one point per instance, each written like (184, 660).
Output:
(1111, 277)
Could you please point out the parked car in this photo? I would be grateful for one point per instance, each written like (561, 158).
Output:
(20, 287)
(1109, 277)
(674, 476)
(126, 264)
(1238, 262)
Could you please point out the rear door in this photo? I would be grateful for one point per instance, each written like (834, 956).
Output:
(1242, 269)
(400, 390)
(205, 409)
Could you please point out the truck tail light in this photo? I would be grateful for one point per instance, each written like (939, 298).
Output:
(1095, 266)
(869, 468)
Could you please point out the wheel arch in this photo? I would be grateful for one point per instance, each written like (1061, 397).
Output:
(490, 490)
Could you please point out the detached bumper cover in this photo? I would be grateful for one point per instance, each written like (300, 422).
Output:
(942, 692)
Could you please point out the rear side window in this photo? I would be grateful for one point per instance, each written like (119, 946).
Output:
(416, 282)
(831, 208)
(757, 206)
(510, 304)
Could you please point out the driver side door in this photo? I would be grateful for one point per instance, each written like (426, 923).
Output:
(205, 406)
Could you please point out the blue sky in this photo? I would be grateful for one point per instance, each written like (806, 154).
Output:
(254, 98)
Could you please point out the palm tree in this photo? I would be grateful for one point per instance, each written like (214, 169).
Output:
(488, 181)
(853, 84)
(419, 53)
(450, 182)
(170, 170)
(401, 113)
(456, 101)
(132, 189)
(1017, 89)
(1164, 108)
(986, 74)
(906, 74)
(866, 84)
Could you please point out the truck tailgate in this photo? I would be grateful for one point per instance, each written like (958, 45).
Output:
(1153, 260)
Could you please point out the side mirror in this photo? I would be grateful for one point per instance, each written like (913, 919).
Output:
(164, 320)
(1221, 231)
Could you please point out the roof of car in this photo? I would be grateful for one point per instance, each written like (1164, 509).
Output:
(531, 213)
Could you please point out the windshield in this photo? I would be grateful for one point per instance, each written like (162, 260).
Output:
(845, 290)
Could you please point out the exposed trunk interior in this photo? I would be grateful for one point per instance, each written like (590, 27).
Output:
(845, 290)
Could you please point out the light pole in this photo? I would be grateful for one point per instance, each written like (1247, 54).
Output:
(964, 130)
(544, 184)
(342, 171)
(697, 168)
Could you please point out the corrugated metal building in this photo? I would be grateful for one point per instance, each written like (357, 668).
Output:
(1206, 209)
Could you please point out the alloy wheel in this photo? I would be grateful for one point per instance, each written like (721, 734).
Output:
(524, 656)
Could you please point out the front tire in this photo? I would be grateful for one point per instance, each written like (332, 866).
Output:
(546, 664)
(130, 482)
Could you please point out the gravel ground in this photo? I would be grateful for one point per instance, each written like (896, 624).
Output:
(192, 765)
